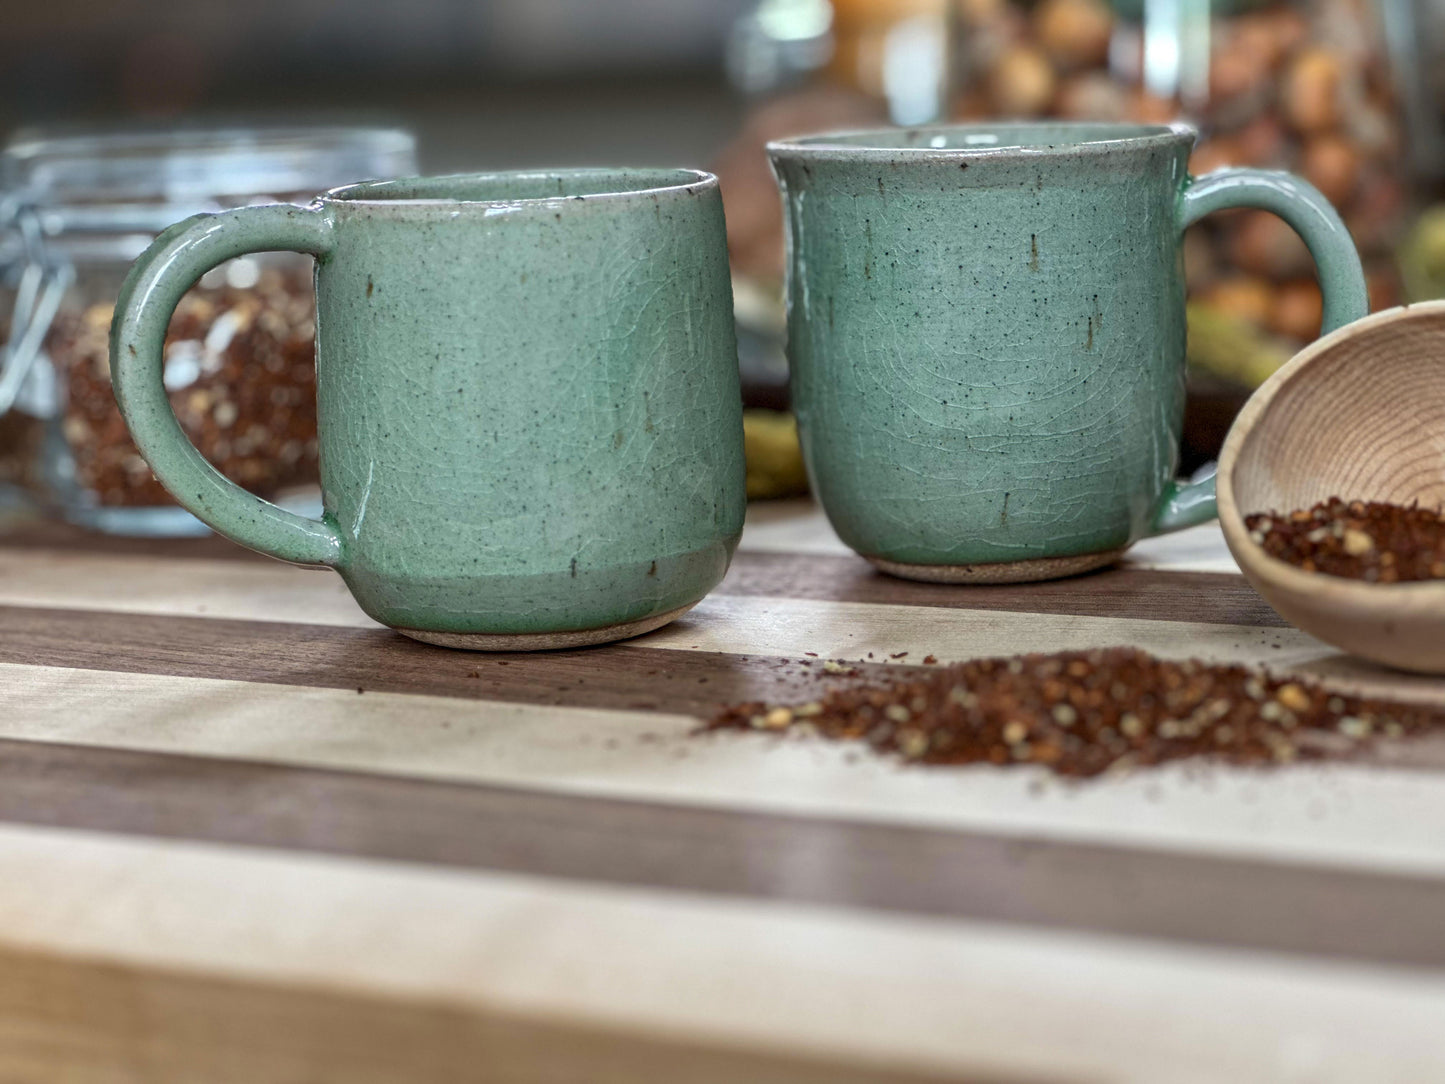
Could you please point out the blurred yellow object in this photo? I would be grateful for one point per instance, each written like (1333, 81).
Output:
(1230, 347)
(1422, 257)
(774, 458)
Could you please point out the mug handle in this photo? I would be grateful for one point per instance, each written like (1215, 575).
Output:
(1342, 281)
(152, 289)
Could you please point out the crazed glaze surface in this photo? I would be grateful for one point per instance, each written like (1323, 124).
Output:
(530, 418)
(986, 333)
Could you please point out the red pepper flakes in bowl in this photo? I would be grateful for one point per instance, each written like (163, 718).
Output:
(1084, 713)
(1361, 540)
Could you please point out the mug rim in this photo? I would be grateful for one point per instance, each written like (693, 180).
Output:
(650, 181)
(871, 143)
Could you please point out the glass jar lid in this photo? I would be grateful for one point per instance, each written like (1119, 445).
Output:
(226, 165)
(98, 199)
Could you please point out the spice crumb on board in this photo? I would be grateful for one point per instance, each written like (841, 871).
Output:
(1363, 540)
(1085, 713)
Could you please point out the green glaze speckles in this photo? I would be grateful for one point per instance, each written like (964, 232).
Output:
(530, 420)
(986, 331)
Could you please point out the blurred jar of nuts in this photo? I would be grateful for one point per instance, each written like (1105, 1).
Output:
(1303, 86)
(240, 352)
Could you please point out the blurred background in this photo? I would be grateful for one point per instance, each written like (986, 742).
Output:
(122, 116)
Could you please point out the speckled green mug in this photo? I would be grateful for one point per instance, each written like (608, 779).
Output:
(530, 421)
(986, 333)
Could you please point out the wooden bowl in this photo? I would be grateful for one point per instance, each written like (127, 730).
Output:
(1360, 414)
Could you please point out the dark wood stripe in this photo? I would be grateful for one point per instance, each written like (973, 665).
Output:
(1376, 917)
(1210, 597)
(378, 660)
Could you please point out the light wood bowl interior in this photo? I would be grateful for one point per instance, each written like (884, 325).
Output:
(1360, 414)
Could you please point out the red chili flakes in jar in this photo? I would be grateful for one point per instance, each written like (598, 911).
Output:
(241, 378)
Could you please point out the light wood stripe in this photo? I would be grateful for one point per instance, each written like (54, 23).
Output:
(778, 626)
(272, 591)
(846, 630)
(1350, 817)
(55, 537)
(245, 590)
(801, 527)
(789, 527)
(102, 924)
(1198, 549)
(1135, 892)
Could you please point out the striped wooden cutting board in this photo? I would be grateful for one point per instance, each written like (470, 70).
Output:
(247, 835)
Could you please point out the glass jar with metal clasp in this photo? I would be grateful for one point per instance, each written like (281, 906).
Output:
(75, 211)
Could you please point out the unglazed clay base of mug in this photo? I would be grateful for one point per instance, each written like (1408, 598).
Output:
(1041, 568)
(545, 641)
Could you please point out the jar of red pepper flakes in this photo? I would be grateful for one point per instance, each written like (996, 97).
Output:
(75, 211)
(1299, 85)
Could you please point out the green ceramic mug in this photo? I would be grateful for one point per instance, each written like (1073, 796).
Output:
(986, 334)
(529, 414)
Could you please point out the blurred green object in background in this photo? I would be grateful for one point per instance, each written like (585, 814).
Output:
(774, 458)
(1230, 347)
(1422, 257)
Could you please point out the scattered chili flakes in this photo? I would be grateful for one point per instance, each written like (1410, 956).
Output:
(1084, 713)
(1363, 540)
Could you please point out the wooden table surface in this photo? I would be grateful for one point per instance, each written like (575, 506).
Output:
(247, 835)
